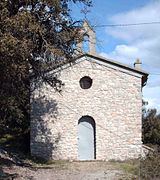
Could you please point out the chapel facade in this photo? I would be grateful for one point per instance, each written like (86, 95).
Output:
(97, 115)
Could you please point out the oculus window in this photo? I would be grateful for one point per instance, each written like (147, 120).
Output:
(85, 82)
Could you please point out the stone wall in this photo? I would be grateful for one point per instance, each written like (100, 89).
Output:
(114, 101)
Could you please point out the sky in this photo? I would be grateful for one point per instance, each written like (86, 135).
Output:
(127, 43)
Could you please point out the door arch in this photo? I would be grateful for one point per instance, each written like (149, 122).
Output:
(86, 138)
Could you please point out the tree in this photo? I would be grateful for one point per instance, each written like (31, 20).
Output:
(149, 167)
(35, 36)
(151, 127)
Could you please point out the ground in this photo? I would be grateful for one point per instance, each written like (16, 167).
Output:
(70, 170)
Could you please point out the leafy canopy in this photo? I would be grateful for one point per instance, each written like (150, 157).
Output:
(151, 127)
(35, 36)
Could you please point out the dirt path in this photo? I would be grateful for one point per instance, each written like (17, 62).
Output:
(68, 171)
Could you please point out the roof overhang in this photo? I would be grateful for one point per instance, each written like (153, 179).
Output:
(105, 62)
(144, 74)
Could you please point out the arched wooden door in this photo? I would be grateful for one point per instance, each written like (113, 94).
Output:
(86, 138)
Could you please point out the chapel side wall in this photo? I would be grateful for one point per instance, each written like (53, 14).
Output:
(114, 101)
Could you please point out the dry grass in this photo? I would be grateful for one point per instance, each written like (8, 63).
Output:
(129, 166)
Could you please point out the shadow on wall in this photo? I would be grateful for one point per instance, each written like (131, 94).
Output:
(43, 116)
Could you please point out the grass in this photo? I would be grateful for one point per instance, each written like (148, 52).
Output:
(129, 166)
(42, 162)
(19, 146)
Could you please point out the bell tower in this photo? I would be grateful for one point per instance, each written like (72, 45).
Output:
(87, 31)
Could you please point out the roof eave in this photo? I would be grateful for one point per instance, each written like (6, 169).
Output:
(106, 60)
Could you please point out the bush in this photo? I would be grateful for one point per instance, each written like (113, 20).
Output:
(150, 166)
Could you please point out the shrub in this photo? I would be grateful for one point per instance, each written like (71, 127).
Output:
(150, 166)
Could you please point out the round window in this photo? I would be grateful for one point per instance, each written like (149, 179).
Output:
(85, 82)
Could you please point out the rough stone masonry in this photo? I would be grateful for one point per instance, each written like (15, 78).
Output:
(114, 101)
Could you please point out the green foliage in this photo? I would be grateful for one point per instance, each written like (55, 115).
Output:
(35, 37)
(151, 127)
(16, 143)
(150, 166)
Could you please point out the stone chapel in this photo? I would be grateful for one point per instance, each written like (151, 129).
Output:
(98, 114)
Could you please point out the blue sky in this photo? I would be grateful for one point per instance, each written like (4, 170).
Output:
(126, 44)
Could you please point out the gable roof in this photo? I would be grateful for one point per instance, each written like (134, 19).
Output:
(110, 61)
(118, 64)
(102, 61)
